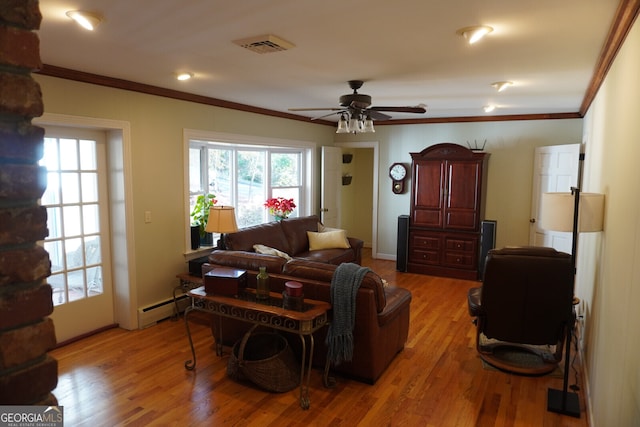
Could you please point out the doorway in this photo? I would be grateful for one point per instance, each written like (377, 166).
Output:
(120, 209)
(360, 197)
(555, 169)
(78, 243)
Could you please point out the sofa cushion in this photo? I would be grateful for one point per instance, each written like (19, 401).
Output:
(295, 232)
(329, 256)
(247, 260)
(328, 240)
(324, 273)
(269, 234)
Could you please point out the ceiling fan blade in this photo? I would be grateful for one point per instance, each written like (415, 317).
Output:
(419, 109)
(376, 115)
(317, 109)
(329, 114)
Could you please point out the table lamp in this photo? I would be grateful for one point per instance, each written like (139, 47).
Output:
(222, 219)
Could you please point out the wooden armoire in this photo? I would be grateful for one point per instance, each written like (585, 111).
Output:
(447, 206)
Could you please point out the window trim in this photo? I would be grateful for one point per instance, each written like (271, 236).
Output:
(308, 172)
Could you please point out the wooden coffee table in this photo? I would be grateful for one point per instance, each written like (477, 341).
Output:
(271, 314)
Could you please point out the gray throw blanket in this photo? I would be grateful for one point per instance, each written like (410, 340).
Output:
(344, 287)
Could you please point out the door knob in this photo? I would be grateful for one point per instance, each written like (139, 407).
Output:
(532, 220)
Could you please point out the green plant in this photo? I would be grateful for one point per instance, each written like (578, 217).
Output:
(200, 212)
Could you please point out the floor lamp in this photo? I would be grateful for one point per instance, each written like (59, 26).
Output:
(222, 219)
(573, 212)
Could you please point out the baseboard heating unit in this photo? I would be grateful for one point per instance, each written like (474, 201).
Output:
(153, 313)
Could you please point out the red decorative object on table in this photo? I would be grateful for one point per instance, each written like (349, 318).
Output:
(294, 289)
(280, 207)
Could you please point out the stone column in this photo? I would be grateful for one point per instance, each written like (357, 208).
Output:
(27, 373)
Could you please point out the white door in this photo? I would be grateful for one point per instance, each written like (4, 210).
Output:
(331, 186)
(78, 242)
(555, 169)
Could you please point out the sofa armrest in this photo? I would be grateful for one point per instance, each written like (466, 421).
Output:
(396, 298)
(356, 245)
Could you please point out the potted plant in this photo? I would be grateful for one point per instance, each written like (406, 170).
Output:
(200, 216)
(280, 207)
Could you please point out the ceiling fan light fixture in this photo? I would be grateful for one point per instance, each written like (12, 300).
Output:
(355, 124)
(501, 86)
(87, 20)
(368, 125)
(343, 126)
(475, 33)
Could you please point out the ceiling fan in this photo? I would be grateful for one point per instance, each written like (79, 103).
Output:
(357, 106)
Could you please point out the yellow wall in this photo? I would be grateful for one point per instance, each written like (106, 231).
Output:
(608, 279)
(357, 200)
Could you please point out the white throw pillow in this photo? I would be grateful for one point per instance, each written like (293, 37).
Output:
(262, 249)
(328, 240)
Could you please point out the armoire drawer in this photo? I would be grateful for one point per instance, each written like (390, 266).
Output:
(459, 259)
(421, 241)
(424, 257)
(461, 245)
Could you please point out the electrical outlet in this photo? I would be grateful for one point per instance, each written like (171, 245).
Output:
(147, 217)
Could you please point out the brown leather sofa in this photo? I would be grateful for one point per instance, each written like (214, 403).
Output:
(290, 236)
(382, 311)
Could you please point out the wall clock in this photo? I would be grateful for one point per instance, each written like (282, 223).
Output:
(398, 173)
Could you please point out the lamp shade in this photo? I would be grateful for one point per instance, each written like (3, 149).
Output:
(222, 219)
(556, 212)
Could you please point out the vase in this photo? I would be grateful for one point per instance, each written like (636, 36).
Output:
(195, 237)
(262, 284)
(280, 217)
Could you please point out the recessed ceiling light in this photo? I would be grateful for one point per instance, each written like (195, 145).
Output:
(500, 86)
(489, 108)
(184, 76)
(88, 20)
(475, 33)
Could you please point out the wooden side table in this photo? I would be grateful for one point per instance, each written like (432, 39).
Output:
(271, 314)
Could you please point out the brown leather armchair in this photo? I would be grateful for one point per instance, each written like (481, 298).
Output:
(523, 307)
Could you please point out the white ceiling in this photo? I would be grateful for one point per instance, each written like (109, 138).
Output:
(406, 51)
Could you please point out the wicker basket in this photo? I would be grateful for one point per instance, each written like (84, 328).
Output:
(266, 360)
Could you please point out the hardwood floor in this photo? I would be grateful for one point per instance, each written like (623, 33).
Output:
(137, 378)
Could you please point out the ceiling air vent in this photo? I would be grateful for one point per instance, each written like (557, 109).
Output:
(264, 44)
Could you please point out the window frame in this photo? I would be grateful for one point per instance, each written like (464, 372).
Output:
(198, 138)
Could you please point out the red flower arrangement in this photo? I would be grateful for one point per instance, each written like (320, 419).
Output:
(280, 207)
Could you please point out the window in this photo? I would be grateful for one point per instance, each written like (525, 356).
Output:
(245, 174)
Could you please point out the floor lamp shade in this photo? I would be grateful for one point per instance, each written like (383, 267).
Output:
(222, 219)
(556, 212)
